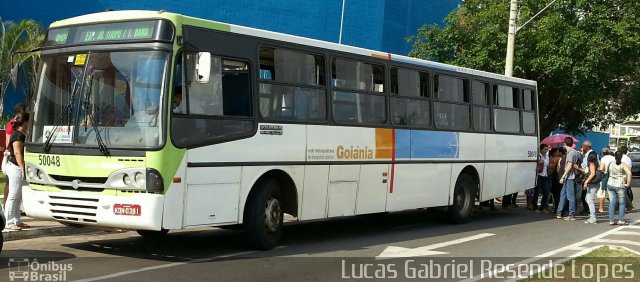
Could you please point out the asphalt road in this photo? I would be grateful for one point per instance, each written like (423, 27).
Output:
(331, 250)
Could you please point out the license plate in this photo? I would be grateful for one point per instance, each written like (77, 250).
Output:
(127, 209)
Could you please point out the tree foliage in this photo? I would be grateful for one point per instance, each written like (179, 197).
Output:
(584, 54)
(22, 36)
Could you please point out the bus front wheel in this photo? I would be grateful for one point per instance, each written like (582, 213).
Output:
(263, 216)
(463, 199)
(153, 234)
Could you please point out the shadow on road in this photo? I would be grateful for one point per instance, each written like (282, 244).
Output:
(309, 238)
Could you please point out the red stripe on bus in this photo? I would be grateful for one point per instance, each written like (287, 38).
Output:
(393, 158)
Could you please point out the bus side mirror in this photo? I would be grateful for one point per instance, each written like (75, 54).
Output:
(203, 67)
(14, 76)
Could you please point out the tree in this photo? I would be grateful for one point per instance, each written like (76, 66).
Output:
(584, 54)
(23, 36)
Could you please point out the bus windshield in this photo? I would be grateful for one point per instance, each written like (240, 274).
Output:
(118, 93)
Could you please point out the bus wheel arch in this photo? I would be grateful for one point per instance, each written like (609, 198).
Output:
(287, 187)
(464, 196)
(270, 198)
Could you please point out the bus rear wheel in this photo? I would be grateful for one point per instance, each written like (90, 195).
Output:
(463, 200)
(263, 216)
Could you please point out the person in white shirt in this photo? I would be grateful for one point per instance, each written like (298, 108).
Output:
(544, 182)
(606, 160)
(627, 161)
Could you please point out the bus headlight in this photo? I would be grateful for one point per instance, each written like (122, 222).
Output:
(139, 179)
(29, 172)
(126, 179)
(39, 174)
(155, 184)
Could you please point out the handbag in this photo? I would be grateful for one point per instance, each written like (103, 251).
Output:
(598, 177)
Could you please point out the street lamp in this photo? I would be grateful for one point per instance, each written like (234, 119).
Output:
(341, 23)
(513, 28)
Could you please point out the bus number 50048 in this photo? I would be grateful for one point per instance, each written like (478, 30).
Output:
(49, 160)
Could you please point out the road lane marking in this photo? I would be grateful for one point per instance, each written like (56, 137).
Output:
(609, 241)
(628, 233)
(510, 267)
(122, 273)
(400, 252)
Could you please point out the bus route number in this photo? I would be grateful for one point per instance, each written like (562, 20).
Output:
(49, 160)
(531, 153)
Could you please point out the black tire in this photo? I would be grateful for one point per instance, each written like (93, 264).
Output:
(263, 215)
(153, 234)
(463, 200)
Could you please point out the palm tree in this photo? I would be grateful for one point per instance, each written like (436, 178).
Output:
(23, 36)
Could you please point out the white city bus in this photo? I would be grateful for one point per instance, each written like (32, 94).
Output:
(265, 124)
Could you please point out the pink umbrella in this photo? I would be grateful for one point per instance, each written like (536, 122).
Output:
(557, 139)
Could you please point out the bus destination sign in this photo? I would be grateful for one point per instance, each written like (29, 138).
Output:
(115, 32)
(109, 32)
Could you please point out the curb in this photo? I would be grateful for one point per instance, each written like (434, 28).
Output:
(55, 230)
(42, 232)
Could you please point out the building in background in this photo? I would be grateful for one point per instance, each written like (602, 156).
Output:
(380, 25)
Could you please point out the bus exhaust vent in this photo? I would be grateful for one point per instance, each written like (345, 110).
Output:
(74, 209)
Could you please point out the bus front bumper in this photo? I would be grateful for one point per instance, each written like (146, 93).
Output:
(130, 212)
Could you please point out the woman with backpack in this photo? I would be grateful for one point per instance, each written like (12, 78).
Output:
(591, 184)
(619, 181)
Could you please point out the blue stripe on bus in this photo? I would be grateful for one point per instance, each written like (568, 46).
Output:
(403, 144)
(422, 144)
(434, 144)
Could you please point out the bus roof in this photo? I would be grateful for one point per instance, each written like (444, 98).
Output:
(112, 16)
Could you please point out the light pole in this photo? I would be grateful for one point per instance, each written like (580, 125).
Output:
(341, 23)
(511, 37)
(513, 28)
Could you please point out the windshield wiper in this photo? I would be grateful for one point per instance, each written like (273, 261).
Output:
(66, 109)
(88, 111)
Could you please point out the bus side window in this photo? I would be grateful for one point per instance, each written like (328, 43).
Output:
(301, 98)
(212, 105)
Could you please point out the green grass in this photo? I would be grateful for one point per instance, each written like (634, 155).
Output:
(599, 265)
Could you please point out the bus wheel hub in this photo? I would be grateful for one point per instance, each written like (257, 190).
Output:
(272, 215)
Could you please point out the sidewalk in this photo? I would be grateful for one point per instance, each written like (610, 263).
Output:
(40, 228)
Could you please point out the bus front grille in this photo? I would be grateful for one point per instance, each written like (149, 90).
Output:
(74, 209)
(95, 180)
